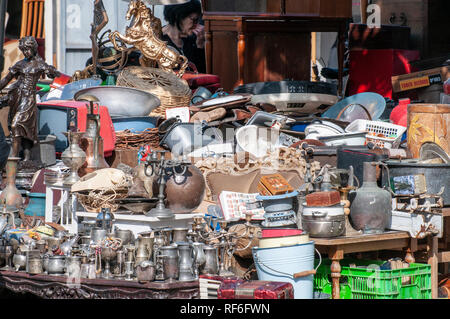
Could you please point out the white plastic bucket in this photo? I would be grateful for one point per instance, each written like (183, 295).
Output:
(285, 264)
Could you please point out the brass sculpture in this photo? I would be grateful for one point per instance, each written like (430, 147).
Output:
(21, 98)
(144, 34)
(102, 58)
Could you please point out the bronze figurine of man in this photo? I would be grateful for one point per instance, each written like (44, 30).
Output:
(21, 98)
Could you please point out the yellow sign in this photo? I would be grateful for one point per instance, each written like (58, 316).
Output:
(414, 83)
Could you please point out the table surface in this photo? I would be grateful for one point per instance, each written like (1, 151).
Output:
(50, 286)
(361, 238)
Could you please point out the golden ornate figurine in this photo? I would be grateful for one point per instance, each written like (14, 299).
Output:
(144, 35)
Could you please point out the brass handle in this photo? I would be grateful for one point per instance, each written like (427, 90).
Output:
(304, 273)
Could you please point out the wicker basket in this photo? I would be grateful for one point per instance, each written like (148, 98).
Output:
(171, 90)
(128, 140)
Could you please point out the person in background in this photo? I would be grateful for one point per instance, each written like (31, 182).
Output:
(184, 33)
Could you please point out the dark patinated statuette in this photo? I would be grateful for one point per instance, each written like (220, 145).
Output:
(21, 97)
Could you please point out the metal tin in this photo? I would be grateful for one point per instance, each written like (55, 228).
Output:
(324, 227)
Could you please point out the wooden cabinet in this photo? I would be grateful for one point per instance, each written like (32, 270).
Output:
(316, 8)
(268, 40)
(264, 47)
(319, 8)
(428, 20)
(246, 51)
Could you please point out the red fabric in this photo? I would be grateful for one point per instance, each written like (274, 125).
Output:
(194, 80)
(372, 70)
(107, 131)
(255, 289)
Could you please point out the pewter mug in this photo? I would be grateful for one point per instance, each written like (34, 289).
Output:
(212, 261)
(200, 259)
(187, 256)
(73, 266)
(145, 245)
(168, 251)
(35, 266)
(170, 268)
(97, 235)
(145, 271)
(85, 240)
(84, 271)
(179, 235)
(125, 234)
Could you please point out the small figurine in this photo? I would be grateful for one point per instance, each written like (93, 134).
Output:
(21, 98)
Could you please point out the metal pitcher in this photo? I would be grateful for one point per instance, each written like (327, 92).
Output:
(212, 261)
(144, 247)
(186, 262)
(200, 259)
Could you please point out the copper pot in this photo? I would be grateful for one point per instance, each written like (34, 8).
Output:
(184, 193)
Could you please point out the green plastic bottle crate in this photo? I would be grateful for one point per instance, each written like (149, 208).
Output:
(371, 283)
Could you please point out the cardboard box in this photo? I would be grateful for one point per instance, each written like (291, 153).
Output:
(420, 79)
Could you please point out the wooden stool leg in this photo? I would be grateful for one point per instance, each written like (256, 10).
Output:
(335, 255)
(432, 250)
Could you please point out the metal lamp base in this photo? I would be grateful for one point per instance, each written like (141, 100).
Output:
(161, 212)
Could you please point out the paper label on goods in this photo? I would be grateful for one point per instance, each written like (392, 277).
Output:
(181, 112)
(414, 83)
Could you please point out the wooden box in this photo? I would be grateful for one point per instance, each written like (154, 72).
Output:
(274, 184)
(411, 81)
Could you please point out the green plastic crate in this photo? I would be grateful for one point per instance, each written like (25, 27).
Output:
(370, 283)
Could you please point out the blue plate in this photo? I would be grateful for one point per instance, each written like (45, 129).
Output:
(135, 123)
(373, 102)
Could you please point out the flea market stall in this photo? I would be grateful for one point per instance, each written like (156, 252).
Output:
(148, 179)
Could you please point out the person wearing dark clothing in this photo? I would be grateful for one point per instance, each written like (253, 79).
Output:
(184, 33)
